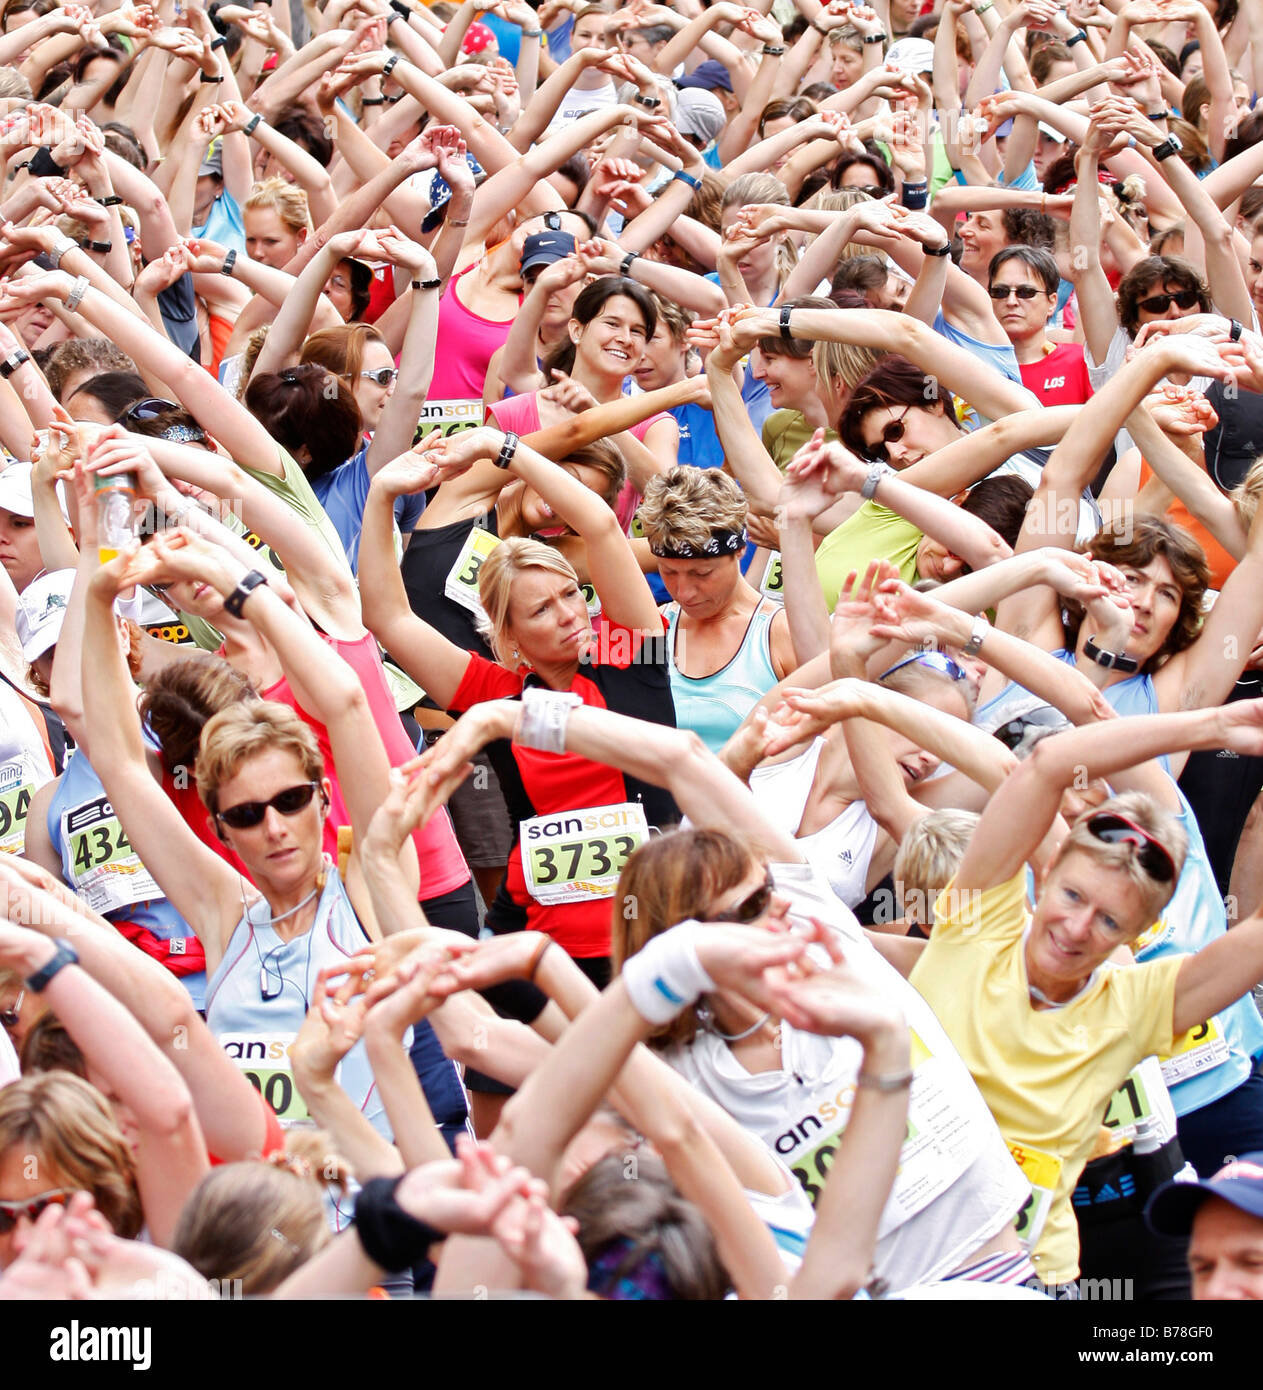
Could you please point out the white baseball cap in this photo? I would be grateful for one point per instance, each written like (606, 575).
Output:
(15, 489)
(41, 609)
(912, 55)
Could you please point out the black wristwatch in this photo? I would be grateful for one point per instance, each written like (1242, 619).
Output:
(1112, 661)
(64, 955)
(651, 103)
(236, 600)
(507, 450)
(14, 360)
(112, 200)
(1171, 145)
(102, 248)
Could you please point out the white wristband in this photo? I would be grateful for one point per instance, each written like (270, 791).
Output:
(666, 976)
(542, 722)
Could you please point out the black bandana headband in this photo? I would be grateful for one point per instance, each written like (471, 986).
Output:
(720, 543)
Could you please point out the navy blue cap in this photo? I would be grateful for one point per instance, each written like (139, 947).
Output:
(440, 193)
(1173, 1206)
(708, 75)
(546, 248)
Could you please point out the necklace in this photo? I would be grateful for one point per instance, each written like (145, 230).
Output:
(707, 1019)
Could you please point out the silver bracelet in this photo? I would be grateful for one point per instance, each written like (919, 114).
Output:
(81, 286)
(876, 472)
(977, 636)
(55, 255)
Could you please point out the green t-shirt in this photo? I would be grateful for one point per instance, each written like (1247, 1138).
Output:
(785, 432)
(872, 533)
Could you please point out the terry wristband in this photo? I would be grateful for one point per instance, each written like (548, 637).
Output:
(665, 976)
(542, 722)
(390, 1236)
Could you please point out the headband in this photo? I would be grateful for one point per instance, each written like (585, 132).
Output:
(720, 543)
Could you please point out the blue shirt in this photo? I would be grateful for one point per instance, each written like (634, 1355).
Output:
(999, 356)
(343, 493)
(224, 224)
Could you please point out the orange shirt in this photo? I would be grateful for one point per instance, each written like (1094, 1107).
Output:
(1221, 563)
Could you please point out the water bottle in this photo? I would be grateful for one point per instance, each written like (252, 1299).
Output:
(116, 510)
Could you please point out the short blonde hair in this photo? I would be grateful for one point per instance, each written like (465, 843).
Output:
(1144, 812)
(761, 187)
(687, 506)
(288, 201)
(928, 857)
(495, 587)
(245, 731)
(67, 1126)
(844, 363)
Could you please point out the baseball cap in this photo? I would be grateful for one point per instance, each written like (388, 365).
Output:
(699, 113)
(213, 163)
(40, 611)
(15, 489)
(912, 55)
(1052, 132)
(1173, 1206)
(709, 75)
(546, 248)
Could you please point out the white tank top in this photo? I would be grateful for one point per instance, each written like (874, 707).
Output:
(841, 850)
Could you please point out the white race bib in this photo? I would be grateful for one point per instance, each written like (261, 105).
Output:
(265, 1060)
(451, 416)
(461, 585)
(1042, 1170)
(772, 584)
(107, 872)
(18, 783)
(1199, 1050)
(576, 856)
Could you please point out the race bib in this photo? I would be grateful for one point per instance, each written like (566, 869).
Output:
(17, 785)
(107, 872)
(576, 856)
(773, 582)
(591, 599)
(461, 585)
(1199, 1050)
(1129, 1104)
(937, 1147)
(1042, 1170)
(450, 416)
(265, 1060)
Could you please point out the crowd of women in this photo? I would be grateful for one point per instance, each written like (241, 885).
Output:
(629, 648)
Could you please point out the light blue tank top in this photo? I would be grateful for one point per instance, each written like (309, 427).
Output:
(714, 706)
(258, 997)
(1194, 917)
(98, 862)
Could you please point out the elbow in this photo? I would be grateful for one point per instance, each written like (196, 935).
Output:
(689, 758)
(677, 1134)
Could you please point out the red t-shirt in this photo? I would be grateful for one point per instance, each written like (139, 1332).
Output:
(553, 782)
(1060, 378)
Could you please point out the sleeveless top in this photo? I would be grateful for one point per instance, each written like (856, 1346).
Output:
(98, 862)
(258, 997)
(840, 851)
(466, 344)
(714, 706)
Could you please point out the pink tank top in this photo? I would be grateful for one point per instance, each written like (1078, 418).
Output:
(521, 415)
(464, 346)
(443, 866)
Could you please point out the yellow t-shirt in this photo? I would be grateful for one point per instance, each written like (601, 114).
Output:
(873, 532)
(1047, 1075)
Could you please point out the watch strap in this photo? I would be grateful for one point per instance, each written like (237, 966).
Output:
(64, 955)
(236, 601)
(1111, 661)
(14, 360)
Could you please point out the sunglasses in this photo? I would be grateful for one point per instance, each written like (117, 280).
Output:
(151, 408)
(289, 802)
(12, 1212)
(999, 292)
(1160, 303)
(1113, 829)
(383, 376)
(936, 661)
(1046, 721)
(750, 908)
(9, 1017)
(872, 189)
(891, 433)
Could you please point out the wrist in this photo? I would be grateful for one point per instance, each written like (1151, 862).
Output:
(887, 1047)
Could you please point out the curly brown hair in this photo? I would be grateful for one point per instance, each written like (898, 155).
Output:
(1134, 544)
(1156, 272)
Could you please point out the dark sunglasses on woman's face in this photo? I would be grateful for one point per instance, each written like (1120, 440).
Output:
(248, 814)
(1113, 829)
(998, 292)
(891, 433)
(151, 408)
(12, 1212)
(1160, 303)
(750, 908)
(871, 189)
